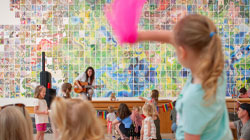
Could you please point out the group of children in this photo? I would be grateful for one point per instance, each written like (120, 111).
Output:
(129, 125)
(136, 124)
(201, 108)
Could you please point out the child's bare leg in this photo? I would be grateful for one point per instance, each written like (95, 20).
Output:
(142, 132)
(37, 135)
(118, 130)
(42, 135)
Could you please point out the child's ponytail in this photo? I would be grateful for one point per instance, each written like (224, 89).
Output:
(211, 67)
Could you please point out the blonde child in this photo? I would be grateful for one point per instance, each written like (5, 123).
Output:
(148, 127)
(201, 107)
(15, 124)
(66, 90)
(154, 101)
(110, 117)
(75, 119)
(41, 112)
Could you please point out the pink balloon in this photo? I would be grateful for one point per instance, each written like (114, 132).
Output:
(124, 16)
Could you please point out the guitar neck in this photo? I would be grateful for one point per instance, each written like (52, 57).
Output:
(88, 86)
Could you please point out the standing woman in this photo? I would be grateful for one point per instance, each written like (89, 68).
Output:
(87, 76)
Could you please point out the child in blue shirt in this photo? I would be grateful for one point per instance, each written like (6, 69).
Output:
(123, 122)
(201, 107)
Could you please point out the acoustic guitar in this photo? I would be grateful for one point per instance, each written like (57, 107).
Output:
(85, 86)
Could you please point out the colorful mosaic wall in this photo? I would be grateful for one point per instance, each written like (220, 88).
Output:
(75, 34)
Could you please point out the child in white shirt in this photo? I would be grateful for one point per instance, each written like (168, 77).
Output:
(111, 116)
(41, 112)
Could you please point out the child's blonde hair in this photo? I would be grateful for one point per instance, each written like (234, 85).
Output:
(66, 88)
(198, 33)
(111, 109)
(148, 109)
(14, 125)
(136, 108)
(38, 90)
(75, 119)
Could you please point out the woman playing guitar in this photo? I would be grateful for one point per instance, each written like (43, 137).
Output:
(89, 77)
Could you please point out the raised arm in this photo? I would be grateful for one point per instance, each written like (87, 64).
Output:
(142, 98)
(159, 36)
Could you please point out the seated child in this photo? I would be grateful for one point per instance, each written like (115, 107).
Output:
(123, 122)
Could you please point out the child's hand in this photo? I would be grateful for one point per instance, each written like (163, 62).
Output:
(140, 97)
(46, 112)
(80, 88)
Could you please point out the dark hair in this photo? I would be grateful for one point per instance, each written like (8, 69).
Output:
(123, 111)
(155, 95)
(92, 77)
(246, 106)
(66, 87)
(243, 90)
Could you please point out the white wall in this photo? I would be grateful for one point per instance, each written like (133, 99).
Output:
(7, 17)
